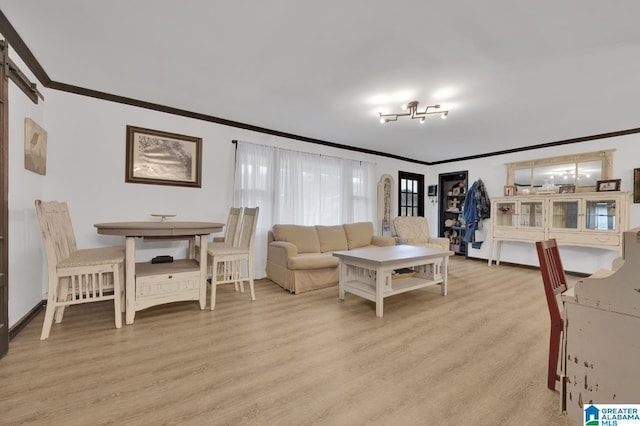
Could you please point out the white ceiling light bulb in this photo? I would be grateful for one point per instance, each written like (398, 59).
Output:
(404, 106)
(383, 120)
(444, 115)
(422, 120)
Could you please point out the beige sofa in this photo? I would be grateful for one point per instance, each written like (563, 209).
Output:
(299, 258)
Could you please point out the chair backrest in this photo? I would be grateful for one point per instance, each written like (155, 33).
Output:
(248, 228)
(414, 228)
(232, 231)
(57, 230)
(553, 276)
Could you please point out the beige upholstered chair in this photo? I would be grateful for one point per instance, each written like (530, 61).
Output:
(414, 230)
(76, 276)
(233, 263)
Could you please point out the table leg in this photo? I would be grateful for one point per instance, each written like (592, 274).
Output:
(490, 261)
(342, 272)
(203, 271)
(499, 253)
(445, 274)
(130, 279)
(380, 277)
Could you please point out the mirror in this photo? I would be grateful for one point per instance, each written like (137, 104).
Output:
(548, 174)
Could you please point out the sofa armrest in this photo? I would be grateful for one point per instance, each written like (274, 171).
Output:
(280, 251)
(378, 240)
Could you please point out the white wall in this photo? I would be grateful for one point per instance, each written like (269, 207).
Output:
(86, 168)
(25, 246)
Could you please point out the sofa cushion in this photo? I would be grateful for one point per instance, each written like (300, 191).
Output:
(331, 238)
(358, 234)
(305, 238)
(312, 261)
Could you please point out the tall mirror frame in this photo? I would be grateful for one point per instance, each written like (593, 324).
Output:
(548, 174)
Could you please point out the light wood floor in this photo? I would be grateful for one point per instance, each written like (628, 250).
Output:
(475, 357)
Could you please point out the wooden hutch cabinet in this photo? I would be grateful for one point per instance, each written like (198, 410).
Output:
(589, 219)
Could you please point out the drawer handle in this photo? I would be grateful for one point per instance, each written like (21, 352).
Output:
(170, 276)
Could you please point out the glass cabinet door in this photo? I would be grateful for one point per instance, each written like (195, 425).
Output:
(600, 215)
(505, 214)
(531, 214)
(564, 214)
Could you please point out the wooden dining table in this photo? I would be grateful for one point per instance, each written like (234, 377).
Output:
(149, 284)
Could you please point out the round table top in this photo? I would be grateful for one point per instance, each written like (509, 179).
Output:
(158, 229)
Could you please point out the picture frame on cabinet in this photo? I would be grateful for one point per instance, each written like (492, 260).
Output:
(163, 158)
(510, 190)
(636, 185)
(567, 189)
(608, 185)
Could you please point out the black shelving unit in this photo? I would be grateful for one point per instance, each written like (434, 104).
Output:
(453, 191)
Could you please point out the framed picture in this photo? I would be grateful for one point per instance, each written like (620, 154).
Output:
(162, 158)
(35, 147)
(455, 191)
(567, 189)
(636, 185)
(510, 190)
(608, 185)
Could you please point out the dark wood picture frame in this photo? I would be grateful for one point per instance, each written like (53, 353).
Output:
(567, 189)
(608, 185)
(162, 158)
(636, 185)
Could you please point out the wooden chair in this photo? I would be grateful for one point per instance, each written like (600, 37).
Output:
(76, 276)
(233, 263)
(555, 283)
(232, 229)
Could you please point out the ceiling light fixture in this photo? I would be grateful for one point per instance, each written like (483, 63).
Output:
(412, 111)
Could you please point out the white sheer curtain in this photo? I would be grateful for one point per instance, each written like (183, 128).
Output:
(301, 188)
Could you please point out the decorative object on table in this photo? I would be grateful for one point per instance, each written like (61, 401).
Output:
(510, 190)
(608, 185)
(163, 217)
(35, 147)
(567, 189)
(636, 185)
(162, 158)
(165, 258)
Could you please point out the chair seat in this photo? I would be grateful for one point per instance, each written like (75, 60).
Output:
(93, 256)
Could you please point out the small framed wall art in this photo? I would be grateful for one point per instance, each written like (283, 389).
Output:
(35, 147)
(608, 185)
(163, 158)
(510, 190)
(567, 189)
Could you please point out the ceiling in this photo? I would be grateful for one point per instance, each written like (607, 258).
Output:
(512, 73)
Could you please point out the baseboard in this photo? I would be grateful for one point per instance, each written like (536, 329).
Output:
(25, 320)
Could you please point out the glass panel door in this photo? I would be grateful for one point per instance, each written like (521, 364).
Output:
(600, 215)
(531, 214)
(564, 214)
(506, 214)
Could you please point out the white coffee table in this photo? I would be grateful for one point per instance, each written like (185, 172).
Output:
(367, 272)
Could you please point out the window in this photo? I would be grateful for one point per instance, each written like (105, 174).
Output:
(301, 188)
(411, 190)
